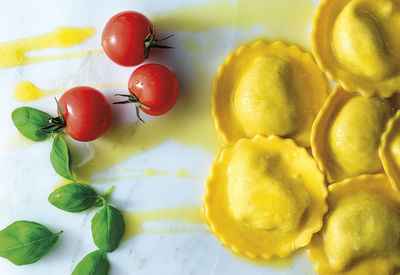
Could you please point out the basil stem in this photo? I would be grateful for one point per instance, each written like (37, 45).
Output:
(108, 227)
(75, 197)
(59, 158)
(25, 242)
(95, 263)
(30, 122)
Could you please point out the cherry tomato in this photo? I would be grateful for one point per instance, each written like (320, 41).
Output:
(155, 87)
(128, 37)
(86, 112)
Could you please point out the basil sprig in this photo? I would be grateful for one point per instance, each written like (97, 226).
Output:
(60, 158)
(38, 126)
(30, 123)
(108, 227)
(26, 242)
(95, 263)
(75, 197)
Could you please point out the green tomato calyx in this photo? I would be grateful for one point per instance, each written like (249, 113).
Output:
(151, 42)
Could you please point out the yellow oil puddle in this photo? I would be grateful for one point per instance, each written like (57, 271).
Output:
(61, 183)
(186, 214)
(181, 173)
(13, 53)
(191, 215)
(113, 179)
(125, 140)
(188, 123)
(26, 91)
(150, 172)
(171, 230)
(289, 19)
(154, 172)
(140, 173)
(286, 19)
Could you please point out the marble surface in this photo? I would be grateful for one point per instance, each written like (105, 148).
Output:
(27, 177)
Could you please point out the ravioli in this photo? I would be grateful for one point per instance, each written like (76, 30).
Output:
(356, 43)
(267, 89)
(361, 233)
(346, 134)
(389, 151)
(265, 197)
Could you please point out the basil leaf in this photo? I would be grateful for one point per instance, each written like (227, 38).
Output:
(108, 226)
(74, 197)
(59, 157)
(95, 263)
(25, 242)
(29, 122)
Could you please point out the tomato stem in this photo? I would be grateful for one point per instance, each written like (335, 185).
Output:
(56, 124)
(131, 98)
(151, 42)
(60, 110)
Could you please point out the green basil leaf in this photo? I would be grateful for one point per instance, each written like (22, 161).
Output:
(59, 157)
(95, 263)
(108, 226)
(25, 242)
(74, 197)
(29, 122)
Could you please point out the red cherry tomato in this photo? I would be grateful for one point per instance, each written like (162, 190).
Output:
(127, 38)
(155, 87)
(86, 112)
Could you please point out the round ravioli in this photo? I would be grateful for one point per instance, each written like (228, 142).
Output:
(361, 233)
(346, 134)
(389, 151)
(265, 197)
(267, 89)
(356, 43)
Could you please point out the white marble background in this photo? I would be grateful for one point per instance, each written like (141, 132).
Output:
(27, 177)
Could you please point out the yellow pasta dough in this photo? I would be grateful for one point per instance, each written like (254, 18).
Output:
(267, 89)
(346, 134)
(265, 197)
(356, 43)
(361, 233)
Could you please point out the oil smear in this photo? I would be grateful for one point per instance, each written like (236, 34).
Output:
(153, 172)
(26, 91)
(133, 174)
(189, 215)
(189, 123)
(13, 53)
(182, 173)
(284, 19)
